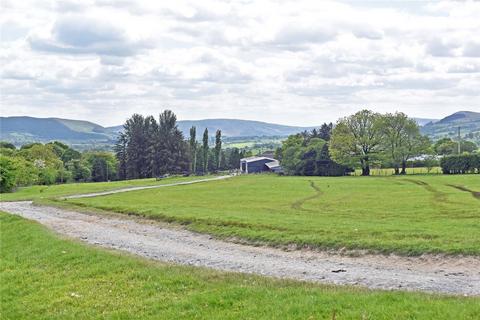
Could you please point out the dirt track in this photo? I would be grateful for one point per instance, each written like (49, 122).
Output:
(451, 275)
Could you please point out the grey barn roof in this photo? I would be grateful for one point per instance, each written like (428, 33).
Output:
(252, 159)
(273, 164)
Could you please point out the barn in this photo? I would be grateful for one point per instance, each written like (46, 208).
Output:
(259, 164)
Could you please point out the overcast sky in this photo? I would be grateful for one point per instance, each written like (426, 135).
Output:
(291, 62)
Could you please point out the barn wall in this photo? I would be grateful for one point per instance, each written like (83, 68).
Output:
(257, 166)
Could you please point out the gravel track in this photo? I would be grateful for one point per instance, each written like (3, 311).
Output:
(439, 274)
(106, 193)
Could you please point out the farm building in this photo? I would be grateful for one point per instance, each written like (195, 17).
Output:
(259, 164)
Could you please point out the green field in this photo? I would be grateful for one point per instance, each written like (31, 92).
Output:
(59, 190)
(407, 215)
(45, 277)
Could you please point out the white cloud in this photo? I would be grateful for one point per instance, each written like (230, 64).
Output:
(294, 62)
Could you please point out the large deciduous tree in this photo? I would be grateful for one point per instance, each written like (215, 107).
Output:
(402, 139)
(357, 139)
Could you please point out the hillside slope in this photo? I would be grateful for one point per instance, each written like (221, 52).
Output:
(85, 134)
(20, 130)
(467, 121)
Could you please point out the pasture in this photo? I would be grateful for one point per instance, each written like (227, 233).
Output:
(408, 215)
(46, 277)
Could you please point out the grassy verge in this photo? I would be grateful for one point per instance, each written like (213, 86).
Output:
(60, 190)
(406, 215)
(45, 277)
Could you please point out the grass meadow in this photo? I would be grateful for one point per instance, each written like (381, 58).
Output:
(408, 215)
(43, 276)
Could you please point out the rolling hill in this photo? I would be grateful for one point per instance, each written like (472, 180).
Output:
(86, 135)
(467, 121)
(79, 134)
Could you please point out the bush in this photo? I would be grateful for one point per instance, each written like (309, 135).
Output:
(460, 164)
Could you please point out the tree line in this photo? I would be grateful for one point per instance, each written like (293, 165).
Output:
(149, 148)
(50, 163)
(307, 154)
(361, 140)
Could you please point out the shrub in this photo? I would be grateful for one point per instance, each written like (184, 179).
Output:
(460, 164)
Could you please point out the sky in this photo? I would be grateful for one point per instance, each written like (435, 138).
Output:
(289, 62)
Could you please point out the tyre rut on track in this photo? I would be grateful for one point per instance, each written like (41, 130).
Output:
(298, 205)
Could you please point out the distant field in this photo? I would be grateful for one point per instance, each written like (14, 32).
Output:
(407, 215)
(45, 277)
(260, 142)
(59, 190)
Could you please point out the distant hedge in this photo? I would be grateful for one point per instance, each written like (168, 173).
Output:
(463, 163)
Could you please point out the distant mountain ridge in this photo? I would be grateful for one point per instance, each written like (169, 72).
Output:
(233, 127)
(21, 130)
(86, 134)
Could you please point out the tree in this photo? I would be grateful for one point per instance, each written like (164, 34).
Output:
(205, 150)
(357, 139)
(233, 157)
(7, 174)
(402, 139)
(325, 166)
(49, 166)
(445, 146)
(193, 149)
(136, 150)
(80, 172)
(291, 154)
(414, 145)
(325, 131)
(467, 146)
(172, 150)
(218, 148)
(120, 150)
(7, 145)
(64, 152)
(99, 170)
(102, 165)
(151, 137)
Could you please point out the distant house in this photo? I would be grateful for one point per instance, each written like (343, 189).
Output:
(259, 164)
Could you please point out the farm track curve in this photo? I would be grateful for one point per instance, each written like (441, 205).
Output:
(167, 243)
